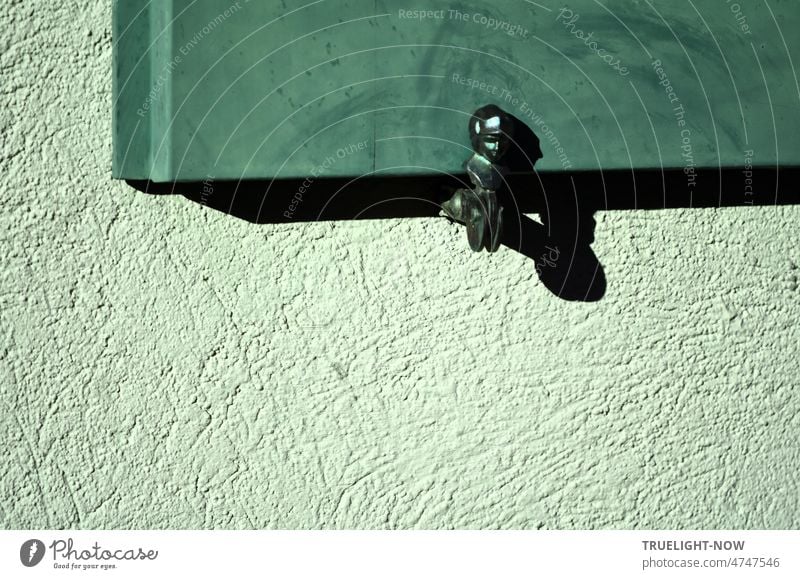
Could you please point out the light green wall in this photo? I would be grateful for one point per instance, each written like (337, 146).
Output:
(163, 365)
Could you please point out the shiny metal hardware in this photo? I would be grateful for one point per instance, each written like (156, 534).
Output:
(491, 131)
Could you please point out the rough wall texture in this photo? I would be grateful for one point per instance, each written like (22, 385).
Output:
(163, 365)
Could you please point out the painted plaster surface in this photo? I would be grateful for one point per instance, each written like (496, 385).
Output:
(166, 366)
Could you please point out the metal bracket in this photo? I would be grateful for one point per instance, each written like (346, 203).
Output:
(491, 132)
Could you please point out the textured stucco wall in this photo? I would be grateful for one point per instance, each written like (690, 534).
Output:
(163, 365)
